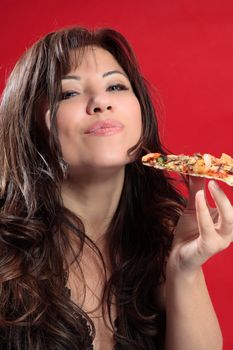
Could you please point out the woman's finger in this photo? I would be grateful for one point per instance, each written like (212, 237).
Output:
(195, 184)
(210, 242)
(205, 222)
(224, 208)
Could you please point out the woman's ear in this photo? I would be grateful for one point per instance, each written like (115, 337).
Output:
(47, 119)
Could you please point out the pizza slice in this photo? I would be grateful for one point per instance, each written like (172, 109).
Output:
(203, 165)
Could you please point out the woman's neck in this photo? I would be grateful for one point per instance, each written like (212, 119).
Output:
(94, 199)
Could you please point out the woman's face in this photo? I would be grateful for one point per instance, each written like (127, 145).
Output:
(99, 116)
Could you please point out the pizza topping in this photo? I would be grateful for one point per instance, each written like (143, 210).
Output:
(207, 160)
(197, 165)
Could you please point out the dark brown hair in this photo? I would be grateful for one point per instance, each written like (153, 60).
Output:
(35, 312)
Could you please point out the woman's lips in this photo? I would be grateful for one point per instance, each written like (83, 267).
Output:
(104, 128)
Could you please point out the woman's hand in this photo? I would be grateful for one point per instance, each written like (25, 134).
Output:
(201, 231)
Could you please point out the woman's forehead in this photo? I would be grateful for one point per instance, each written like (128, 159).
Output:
(90, 56)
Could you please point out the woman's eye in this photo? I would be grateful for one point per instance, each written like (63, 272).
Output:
(68, 94)
(117, 87)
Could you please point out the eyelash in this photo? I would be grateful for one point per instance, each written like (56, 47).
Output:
(120, 87)
(67, 94)
(115, 87)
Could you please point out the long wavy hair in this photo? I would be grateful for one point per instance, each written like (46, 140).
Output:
(35, 310)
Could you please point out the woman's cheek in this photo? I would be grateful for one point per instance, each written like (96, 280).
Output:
(67, 116)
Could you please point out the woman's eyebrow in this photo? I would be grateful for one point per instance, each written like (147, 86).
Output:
(66, 77)
(77, 77)
(114, 72)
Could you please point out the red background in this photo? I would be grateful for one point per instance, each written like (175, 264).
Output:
(185, 49)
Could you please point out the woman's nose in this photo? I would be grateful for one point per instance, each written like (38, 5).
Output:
(98, 105)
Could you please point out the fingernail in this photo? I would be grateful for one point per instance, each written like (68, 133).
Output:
(214, 185)
(202, 192)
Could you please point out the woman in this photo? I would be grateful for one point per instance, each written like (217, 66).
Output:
(88, 258)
